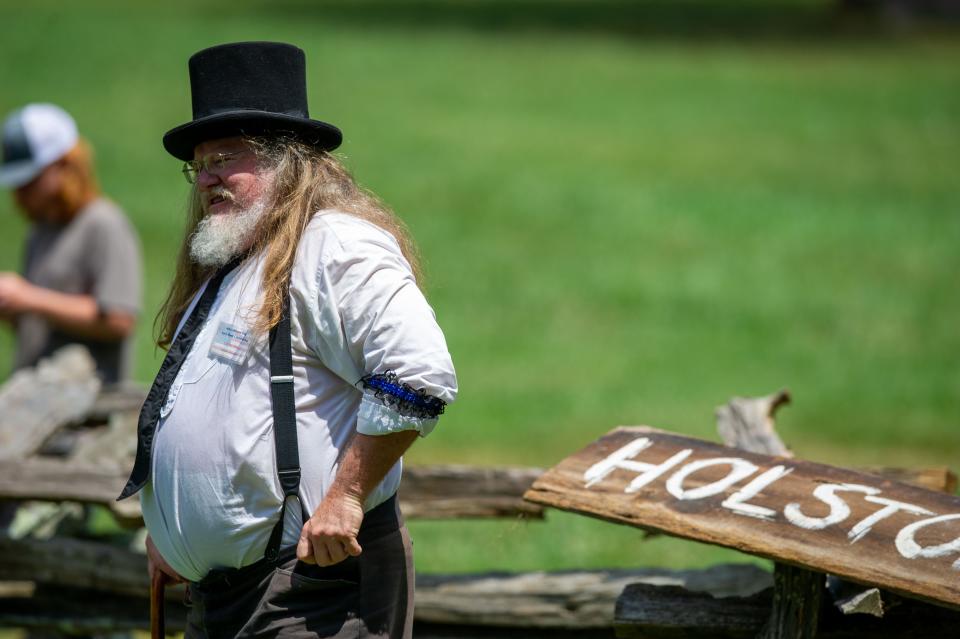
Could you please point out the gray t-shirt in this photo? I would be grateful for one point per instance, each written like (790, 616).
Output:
(97, 253)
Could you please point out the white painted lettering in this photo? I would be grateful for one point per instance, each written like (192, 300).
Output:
(890, 506)
(739, 469)
(909, 548)
(737, 501)
(839, 510)
(655, 471)
(621, 458)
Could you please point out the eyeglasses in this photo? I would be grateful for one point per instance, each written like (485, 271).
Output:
(210, 163)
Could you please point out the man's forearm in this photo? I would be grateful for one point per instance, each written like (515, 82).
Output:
(330, 535)
(80, 315)
(367, 461)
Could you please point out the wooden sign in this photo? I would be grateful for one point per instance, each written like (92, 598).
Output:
(862, 527)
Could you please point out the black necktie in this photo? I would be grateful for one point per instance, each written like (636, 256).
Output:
(150, 413)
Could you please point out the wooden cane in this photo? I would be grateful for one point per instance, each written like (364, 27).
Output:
(157, 619)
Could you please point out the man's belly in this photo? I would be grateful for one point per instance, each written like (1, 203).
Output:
(212, 498)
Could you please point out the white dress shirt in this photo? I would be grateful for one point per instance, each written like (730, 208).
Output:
(213, 494)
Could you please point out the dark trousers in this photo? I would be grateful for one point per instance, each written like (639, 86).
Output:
(366, 596)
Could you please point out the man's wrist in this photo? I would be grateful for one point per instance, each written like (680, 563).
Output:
(344, 490)
(33, 298)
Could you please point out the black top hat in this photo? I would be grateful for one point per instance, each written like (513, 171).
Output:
(249, 88)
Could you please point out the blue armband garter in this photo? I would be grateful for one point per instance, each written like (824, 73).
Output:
(402, 397)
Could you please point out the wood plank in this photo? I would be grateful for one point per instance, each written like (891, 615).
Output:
(567, 599)
(35, 402)
(698, 490)
(110, 447)
(68, 611)
(654, 612)
(441, 492)
(125, 397)
(81, 614)
(456, 491)
(49, 615)
(77, 563)
(466, 507)
(670, 612)
(423, 630)
(675, 612)
(44, 479)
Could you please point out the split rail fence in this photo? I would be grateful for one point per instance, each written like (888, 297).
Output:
(64, 440)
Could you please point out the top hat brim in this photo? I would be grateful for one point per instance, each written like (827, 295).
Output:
(181, 141)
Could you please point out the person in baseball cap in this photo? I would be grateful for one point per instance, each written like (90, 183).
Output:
(34, 137)
(81, 282)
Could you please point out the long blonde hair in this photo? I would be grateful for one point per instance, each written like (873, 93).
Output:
(78, 185)
(306, 180)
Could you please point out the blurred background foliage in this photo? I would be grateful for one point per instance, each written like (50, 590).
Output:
(629, 212)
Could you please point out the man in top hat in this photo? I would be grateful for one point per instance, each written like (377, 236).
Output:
(81, 280)
(303, 360)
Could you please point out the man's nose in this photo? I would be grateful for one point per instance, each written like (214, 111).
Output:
(206, 179)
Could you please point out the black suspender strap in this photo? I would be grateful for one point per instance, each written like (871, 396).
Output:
(150, 413)
(284, 423)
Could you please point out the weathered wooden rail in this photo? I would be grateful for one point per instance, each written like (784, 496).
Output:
(582, 600)
(429, 492)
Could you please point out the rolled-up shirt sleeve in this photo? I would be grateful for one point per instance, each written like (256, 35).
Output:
(386, 328)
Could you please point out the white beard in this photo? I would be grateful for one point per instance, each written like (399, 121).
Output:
(220, 238)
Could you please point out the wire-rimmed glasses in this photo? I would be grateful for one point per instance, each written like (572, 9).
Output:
(210, 163)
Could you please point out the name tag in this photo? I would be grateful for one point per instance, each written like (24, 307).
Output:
(231, 344)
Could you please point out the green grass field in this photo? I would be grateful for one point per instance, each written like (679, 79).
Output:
(624, 222)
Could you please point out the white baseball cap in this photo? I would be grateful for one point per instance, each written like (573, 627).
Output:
(34, 137)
